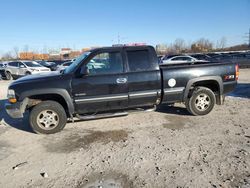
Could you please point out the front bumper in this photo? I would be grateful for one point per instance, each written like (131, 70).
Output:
(16, 110)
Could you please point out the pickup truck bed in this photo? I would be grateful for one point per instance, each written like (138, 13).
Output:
(108, 80)
(207, 74)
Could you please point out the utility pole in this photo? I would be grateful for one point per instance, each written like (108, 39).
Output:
(249, 38)
(247, 35)
(118, 38)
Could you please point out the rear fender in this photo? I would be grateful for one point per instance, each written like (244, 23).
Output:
(192, 82)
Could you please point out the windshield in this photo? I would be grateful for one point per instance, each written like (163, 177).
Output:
(32, 64)
(76, 62)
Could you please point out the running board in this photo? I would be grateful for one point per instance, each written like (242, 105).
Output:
(143, 109)
(101, 116)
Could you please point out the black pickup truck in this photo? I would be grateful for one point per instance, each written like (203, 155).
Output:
(106, 82)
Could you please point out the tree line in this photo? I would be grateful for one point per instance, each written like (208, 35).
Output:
(202, 45)
(179, 46)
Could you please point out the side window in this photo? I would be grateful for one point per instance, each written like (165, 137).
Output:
(105, 63)
(177, 59)
(13, 64)
(187, 59)
(21, 65)
(139, 60)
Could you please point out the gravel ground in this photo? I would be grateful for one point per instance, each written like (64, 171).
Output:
(167, 148)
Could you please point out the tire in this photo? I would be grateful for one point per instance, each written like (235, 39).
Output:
(27, 73)
(47, 117)
(201, 102)
(8, 76)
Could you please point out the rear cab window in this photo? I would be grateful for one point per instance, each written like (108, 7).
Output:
(140, 60)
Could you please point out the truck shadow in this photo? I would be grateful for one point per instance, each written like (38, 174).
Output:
(20, 124)
(242, 90)
(168, 109)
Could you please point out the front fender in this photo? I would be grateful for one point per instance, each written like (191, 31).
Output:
(62, 92)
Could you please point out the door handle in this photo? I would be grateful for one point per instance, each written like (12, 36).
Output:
(121, 80)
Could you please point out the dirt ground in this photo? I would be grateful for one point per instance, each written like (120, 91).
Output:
(167, 148)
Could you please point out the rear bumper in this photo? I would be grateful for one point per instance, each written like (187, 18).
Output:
(229, 86)
(14, 110)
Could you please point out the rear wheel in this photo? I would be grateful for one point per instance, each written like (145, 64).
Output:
(201, 102)
(48, 117)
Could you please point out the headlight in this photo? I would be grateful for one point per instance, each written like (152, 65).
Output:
(11, 96)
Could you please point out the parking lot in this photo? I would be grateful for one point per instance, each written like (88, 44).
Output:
(166, 148)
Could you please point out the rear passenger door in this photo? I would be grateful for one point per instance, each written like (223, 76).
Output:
(144, 78)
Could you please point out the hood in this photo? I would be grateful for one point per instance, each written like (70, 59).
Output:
(38, 77)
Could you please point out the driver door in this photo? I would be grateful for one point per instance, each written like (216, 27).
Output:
(104, 87)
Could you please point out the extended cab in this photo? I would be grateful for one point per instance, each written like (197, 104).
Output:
(107, 82)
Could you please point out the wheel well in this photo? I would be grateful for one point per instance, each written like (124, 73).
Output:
(36, 99)
(211, 84)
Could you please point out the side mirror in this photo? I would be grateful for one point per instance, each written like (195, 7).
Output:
(84, 71)
(22, 66)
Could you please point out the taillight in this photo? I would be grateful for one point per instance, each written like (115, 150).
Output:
(237, 72)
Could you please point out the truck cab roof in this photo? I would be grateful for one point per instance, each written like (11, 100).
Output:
(114, 48)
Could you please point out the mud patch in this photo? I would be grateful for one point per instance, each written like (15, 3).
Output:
(111, 180)
(69, 142)
(176, 123)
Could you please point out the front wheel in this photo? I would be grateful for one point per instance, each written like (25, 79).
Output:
(201, 102)
(27, 73)
(8, 76)
(48, 117)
